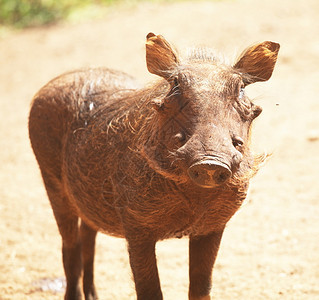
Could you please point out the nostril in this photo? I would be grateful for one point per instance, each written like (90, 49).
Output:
(222, 176)
(195, 174)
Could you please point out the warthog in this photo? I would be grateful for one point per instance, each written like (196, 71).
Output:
(150, 163)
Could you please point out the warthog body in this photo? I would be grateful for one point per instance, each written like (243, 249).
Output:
(149, 163)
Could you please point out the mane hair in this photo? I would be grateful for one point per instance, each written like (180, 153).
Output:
(206, 55)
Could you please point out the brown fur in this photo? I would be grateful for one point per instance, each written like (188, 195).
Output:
(116, 156)
(259, 61)
(159, 55)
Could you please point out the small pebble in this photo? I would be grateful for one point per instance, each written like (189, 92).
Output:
(313, 136)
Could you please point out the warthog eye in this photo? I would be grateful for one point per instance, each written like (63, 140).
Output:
(237, 142)
(180, 137)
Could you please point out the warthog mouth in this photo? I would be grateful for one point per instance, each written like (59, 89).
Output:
(209, 173)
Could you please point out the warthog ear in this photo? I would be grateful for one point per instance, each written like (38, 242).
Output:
(258, 61)
(161, 59)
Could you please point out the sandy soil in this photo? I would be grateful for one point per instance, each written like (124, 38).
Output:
(270, 249)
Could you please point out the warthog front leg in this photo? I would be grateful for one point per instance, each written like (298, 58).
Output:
(144, 268)
(202, 255)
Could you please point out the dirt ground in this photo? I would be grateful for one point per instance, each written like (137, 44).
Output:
(270, 249)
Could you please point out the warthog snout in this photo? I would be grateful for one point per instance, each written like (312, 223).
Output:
(209, 173)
